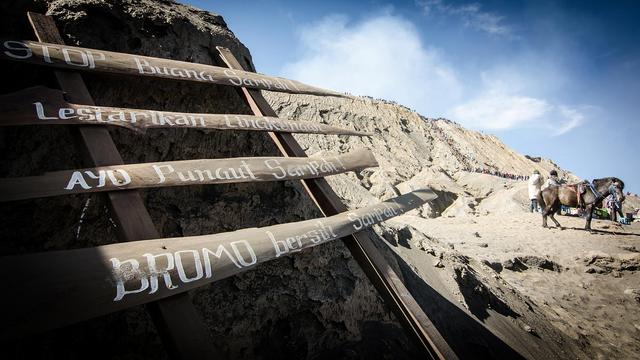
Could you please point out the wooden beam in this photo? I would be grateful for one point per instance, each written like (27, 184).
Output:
(40, 105)
(63, 287)
(183, 332)
(181, 173)
(76, 58)
(418, 326)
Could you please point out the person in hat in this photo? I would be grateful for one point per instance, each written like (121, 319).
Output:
(535, 182)
(553, 180)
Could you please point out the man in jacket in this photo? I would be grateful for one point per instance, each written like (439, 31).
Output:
(535, 181)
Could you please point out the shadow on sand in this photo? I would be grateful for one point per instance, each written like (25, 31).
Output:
(604, 232)
(467, 337)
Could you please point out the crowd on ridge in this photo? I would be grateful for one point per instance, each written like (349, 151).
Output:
(501, 174)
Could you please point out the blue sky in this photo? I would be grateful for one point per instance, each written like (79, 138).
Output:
(558, 79)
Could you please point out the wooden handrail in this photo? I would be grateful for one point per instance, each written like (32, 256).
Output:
(40, 105)
(104, 279)
(74, 58)
(180, 173)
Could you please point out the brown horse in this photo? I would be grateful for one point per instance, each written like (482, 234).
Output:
(552, 197)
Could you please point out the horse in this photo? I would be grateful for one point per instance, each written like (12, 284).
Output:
(552, 197)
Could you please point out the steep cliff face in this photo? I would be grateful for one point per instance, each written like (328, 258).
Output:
(313, 305)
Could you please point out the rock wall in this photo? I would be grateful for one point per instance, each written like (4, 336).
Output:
(317, 304)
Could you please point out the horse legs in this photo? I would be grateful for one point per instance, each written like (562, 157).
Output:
(612, 213)
(549, 211)
(551, 215)
(545, 212)
(587, 226)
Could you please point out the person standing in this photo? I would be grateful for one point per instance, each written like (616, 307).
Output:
(535, 181)
(614, 205)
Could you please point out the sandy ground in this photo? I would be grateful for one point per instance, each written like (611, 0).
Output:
(586, 283)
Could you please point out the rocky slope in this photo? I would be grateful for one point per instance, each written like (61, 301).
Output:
(412, 151)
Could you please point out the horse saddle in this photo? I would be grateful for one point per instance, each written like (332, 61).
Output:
(580, 189)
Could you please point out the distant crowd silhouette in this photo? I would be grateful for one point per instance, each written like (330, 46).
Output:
(499, 174)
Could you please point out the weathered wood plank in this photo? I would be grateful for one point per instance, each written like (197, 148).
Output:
(61, 287)
(363, 249)
(181, 173)
(183, 333)
(84, 59)
(43, 106)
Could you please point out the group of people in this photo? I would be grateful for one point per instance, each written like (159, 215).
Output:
(536, 184)
(499, 174)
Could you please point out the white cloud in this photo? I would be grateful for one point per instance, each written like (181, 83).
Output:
(503, 101)
(471, 14)
(500, 111)
(384, 57)
(574, 118)
(381, 57)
